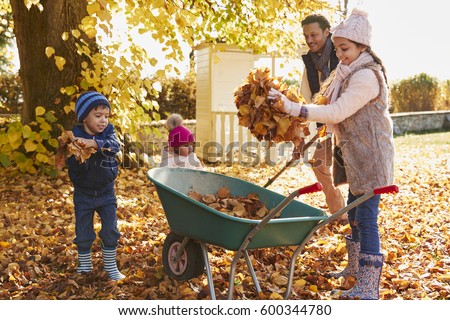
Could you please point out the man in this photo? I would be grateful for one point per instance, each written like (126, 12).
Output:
(319, 62)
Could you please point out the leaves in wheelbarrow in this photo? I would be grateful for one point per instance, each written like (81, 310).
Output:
(249, 207)
(263, 117)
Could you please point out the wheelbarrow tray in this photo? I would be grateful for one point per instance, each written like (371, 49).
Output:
(196, 220)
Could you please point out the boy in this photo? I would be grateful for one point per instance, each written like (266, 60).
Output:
(93, 182)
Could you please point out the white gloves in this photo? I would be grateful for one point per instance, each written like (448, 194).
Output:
(290, 107)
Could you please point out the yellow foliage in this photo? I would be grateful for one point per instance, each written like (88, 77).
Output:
(49, 51)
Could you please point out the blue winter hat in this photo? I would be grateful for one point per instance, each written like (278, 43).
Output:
(87, 101)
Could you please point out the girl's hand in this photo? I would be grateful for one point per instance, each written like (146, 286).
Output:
(288, 106)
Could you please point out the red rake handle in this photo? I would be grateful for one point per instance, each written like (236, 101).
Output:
(310, 189)
(388, 189)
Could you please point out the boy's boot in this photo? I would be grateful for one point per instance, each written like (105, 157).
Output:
(351, 269)
(110, 264)
(84, 262)
(368, 283)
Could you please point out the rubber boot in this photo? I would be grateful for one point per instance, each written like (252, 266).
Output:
(110, 264)
(84, 262)
(353, 248)
(367, 286)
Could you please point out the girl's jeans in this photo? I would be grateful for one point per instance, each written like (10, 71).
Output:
(364, 223)
(85, 207)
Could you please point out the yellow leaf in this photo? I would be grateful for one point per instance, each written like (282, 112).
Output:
(340, 247)
(42, 158)
(91, 32)
(60, 62)
(5, 244)
(299, 283)
(275, 296)
(93, 8)
(49, 51)
(30, 146)
(67, 109)
(65, 36)
(39, 111)
(313, 288)
(76, 33)
(283, 126)
(88, 22)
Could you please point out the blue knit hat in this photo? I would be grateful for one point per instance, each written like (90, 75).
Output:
(87, 101)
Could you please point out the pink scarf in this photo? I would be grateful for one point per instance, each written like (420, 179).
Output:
(342, 72)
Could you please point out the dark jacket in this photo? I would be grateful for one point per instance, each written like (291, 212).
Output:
(96, 176)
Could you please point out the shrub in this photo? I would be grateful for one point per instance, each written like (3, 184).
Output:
(177, 96)
(444, 101)
(417, 93)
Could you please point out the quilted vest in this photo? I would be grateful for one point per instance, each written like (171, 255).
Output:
(366, 141)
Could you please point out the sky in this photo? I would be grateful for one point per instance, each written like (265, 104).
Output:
(410, 36)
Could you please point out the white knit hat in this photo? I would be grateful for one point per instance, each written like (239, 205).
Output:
(356, 28)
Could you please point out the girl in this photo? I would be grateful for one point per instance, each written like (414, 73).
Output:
(358, 115)
(180, 149)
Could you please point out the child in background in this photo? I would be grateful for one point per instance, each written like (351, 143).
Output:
(358, 115)
(179, 153)
(93, 183)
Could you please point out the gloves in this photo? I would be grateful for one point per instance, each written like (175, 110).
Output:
(289, 107)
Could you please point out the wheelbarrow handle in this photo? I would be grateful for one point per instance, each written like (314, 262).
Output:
(316, 187)
(388, 189)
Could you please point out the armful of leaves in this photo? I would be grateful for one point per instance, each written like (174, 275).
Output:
(264, 117)
(69, 146)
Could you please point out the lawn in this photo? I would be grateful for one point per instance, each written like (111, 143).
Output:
(38, 259)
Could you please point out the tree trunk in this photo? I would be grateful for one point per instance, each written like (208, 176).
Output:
(42, 80)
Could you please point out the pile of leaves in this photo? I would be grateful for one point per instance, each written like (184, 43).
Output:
(69, 145)
(261, 115)
(249, 207)
(38, 259)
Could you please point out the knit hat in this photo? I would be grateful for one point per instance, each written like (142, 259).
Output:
(87, 101)
(356, 28)
(178, 135)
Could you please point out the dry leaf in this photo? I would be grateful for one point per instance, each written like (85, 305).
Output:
(262, 116)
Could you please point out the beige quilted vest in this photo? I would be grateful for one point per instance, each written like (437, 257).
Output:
(366, 140)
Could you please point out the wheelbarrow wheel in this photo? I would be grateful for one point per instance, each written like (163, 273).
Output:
(189, 265)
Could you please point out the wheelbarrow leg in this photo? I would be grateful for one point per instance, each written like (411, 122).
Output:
(232, 272)
(252, 272)
(208, 271)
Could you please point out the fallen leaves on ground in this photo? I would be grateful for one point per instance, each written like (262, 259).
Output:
(38, 258)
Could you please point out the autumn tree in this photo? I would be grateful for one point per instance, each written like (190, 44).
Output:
(66, 47)
(37, 27)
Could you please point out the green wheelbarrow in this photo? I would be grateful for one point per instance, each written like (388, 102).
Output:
(194, 224)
